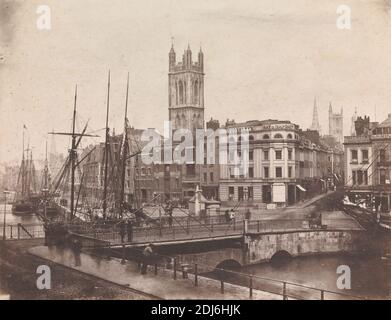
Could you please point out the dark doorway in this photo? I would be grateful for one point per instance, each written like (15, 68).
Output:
(291, 194)
(267, 193)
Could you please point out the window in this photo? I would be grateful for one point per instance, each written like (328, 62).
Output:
(354, 155)
(251, 138)
(289, 154)
(266, 172)
(278, 136)
(382, 176)
(289, 136)
(359, 177)
(364, 156)
(211, 176)
(365, 177)
(250, 193)
(265, 154)
(240, 193)
(190, 169)
(251, 155)
(231, 193)
(278, 154)
(289, 172)
(265, 137)
(278, 172)
(382, 153)
(205, 176)
(251, 172)
(231, 172)
(354, 179)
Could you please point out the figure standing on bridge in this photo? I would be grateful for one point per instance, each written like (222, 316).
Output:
(122, 230)
(129, 230)
(147, 258)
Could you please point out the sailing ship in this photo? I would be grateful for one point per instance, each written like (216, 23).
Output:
(47, 206)
(26, 200)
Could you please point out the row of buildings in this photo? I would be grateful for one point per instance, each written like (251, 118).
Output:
(286, 164)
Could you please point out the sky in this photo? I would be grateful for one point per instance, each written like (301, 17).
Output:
(263, 59)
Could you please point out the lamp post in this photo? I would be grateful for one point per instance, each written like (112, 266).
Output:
(5, 212)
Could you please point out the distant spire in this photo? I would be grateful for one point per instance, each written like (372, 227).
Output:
(315, 120)
(353, 124)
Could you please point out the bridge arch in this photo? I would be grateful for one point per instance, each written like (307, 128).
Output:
(229, 264)
(280, 257)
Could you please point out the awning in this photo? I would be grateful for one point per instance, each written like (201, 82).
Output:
(301, 188)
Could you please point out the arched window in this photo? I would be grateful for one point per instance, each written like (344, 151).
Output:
(265, 137)
(195, 92)
(289, 136)
(181, 96)
(278, 136)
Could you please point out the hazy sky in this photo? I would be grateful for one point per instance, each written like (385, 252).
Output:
(263, 59)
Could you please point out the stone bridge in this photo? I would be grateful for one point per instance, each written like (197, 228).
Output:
(257, 248)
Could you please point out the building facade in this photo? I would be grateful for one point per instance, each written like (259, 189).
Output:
(286, 165)
(368, 164)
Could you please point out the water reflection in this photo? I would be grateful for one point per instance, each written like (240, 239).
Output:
(370, 275)
(15, 219)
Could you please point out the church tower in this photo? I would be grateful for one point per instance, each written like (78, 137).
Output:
(186, 91)
(315, 120)
(336, 124)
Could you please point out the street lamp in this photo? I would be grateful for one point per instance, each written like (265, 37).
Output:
(5, 211)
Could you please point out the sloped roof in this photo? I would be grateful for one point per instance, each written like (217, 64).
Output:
(386, 123)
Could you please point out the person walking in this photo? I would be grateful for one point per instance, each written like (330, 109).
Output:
(147, 257)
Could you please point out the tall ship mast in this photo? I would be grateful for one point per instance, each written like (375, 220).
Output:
(26, 201)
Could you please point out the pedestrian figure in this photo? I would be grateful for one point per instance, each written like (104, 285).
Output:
(232, 215)
(227, 217)
(76, 246)
(122, 230)
(147, 257)
(129, 229)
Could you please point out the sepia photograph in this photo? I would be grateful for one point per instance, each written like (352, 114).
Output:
(234, 151)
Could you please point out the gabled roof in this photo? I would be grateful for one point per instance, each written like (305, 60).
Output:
(386, 123)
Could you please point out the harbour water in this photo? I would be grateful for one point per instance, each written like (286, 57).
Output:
(15, 219)
(370, 274)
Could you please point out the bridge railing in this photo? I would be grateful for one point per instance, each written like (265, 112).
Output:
(228, 281)
(185, 230)
(21, 231)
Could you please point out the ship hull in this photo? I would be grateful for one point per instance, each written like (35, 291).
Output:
(22, 208)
